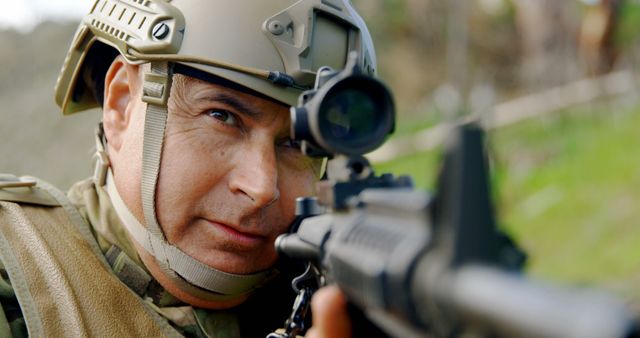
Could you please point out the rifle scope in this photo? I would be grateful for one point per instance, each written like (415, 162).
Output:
(348, 112)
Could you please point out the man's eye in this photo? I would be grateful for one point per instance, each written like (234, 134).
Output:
(223, 116)
(289, 143)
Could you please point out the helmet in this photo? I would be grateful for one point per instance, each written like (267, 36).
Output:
(241, 41)
(270, 47)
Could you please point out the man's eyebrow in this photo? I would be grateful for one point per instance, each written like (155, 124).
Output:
(233, 102)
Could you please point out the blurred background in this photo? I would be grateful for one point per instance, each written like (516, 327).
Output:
(554, 82)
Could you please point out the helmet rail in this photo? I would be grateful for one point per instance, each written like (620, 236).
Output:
(276, 77)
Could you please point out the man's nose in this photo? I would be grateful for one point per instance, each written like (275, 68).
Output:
(255, 176)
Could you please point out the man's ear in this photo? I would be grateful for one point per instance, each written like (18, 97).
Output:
(121, 86)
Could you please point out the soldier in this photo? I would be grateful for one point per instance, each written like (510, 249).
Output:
(195, 173)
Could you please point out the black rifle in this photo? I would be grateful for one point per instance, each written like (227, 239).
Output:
(415, 264)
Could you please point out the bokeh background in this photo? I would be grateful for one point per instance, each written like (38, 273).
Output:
(555, 81)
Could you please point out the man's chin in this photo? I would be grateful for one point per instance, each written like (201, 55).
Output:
(238, 263)
(174, 289)
(210, 304)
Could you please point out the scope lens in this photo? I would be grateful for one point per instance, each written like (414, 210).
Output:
(356, 117)
(349, 115)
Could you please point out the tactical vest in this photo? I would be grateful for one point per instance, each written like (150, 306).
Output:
(62, 281)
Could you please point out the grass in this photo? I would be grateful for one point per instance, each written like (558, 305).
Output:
(422, 167)
(568, 190)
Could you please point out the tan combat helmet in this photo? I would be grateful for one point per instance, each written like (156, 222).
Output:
(242, 41)
(272, 47)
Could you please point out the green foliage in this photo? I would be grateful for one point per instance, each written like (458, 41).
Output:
(569, 191)
(395, 13)
(568, 188)
(422, 167)
(415, 123)
(629, 24)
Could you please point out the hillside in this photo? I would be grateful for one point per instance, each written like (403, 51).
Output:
(35, 138)
(566, 187)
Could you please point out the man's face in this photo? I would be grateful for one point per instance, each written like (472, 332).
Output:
(229, 175)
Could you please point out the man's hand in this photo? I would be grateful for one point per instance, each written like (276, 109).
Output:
(330, 317)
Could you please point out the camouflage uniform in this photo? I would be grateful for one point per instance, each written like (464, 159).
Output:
(123, 284)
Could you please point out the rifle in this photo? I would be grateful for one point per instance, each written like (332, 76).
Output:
(415, 264)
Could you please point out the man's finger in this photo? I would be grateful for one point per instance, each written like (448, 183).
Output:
(330, 317)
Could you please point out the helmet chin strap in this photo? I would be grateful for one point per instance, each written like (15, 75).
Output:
(189, 274)
(179, 266)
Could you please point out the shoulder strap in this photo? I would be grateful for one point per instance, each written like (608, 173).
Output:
(24, 190)
(74, 215)
(62, 281)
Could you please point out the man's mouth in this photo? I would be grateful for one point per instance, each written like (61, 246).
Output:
(232, 234)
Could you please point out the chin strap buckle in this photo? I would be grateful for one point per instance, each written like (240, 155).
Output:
(156, 88)
(100, 168)
(101, 158)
